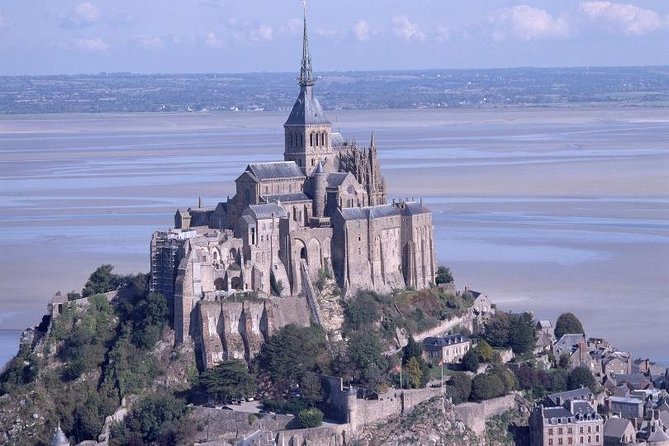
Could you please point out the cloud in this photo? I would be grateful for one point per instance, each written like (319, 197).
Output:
(294, 26)
(84, 14)
(407, 30)
(96, 45)
(442, 32)
(262, 33)
(529, 23)
(361, 30)
(212, 40)
(148, 43)
(631, 19)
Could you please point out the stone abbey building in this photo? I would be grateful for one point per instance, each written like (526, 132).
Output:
(323, 210)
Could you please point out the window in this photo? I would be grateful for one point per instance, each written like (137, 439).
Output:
(596, 428)
(570, 440)
(580, 429)
(560, 431)
(550, 442)
(311, 139)
(581, 441)
(550, 431)
(597, 438)
(589, 430)
(570, 430)
(559, 440)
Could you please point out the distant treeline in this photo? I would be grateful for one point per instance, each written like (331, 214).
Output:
(125, 92)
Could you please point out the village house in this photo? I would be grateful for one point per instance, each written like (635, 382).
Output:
(574, 423)
(619, 431)
(446, 349)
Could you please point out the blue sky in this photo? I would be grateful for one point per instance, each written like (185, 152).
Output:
(149, 36)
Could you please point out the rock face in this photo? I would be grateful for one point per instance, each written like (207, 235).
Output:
(429, 424)
(236, 329)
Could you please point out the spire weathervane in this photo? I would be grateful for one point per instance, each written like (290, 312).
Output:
(306, 73)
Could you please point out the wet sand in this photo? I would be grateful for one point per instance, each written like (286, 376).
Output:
(551, 210)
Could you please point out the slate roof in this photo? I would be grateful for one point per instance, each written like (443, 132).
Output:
(287, 198)
(556, 412)
(635, 380)
(626, 400)
(414, 208)
(386, 210)
(545, 324)
(567, 342)
(277, 170)
(442, 341)
(615, 427)
(336, 179)
(306, 110)
(582, 408)
(265, 211)
(576, 394)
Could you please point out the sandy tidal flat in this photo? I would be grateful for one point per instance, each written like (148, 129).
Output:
(547, 209)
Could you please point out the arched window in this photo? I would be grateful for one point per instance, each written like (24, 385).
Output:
(311, 139)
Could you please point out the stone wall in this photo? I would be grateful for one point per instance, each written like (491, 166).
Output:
(474, 415)
(232, 329)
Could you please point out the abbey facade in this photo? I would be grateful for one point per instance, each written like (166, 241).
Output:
(323, 210)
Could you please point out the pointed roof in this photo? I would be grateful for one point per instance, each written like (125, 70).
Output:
(306, 110)
(59, 438)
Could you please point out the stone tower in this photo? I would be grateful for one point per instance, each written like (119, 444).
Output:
(307, 130)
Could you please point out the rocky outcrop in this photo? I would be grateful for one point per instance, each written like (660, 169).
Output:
(236, 328)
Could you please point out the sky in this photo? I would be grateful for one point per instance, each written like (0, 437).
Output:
(229, 36)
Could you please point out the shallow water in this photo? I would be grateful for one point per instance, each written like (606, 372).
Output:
(543, 209)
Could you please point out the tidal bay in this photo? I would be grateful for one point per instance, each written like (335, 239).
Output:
(544, 209)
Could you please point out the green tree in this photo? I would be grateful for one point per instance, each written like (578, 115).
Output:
(154, 418)
(506, 376)
(459, 387)
(522, 333)
(443, 275)
(310, 418)
(486, 386)
(311, 389)
(565, 361)
(581, 376)
(364, 350)
(414, 373)
(485, 351)
(102, 280)
(228, 380)
(567, 323)
(497, 330)
(470, 361)
(291, 352)
(412, 350)
(362, 312)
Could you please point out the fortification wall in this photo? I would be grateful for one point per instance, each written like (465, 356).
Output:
(340, 435)
(474, 415)
(230, 329)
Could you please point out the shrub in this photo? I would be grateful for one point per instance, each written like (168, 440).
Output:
(310, 418)
(567, 323)
(487, 386)
(470, 361)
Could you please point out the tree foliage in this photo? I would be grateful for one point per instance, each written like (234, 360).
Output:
(486, 386)
(291, 352)
(443, 275)
(362, 312)
(515, 331)
(228, 380)
(485, 352)
(311, 417)
(522, 333)
(581, 376)
(102, 280)
(414, 373)
(459, 387)
(567, 323)
(470, 361)
(155, 419)
(413, 349)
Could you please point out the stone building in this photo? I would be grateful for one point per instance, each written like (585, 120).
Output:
(322, 210)
(446, 349)
(576, 422)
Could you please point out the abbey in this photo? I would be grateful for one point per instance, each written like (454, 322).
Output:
(322, 211)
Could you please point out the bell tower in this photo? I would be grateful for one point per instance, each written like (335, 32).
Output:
(307, 130)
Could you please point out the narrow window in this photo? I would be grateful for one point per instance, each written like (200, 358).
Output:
(311, 139)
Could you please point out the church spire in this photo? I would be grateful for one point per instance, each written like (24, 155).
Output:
(306, 72)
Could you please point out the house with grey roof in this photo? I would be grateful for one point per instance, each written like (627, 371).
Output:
(619, 431)
(576, 422)
(625, 407)
(446, 349)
